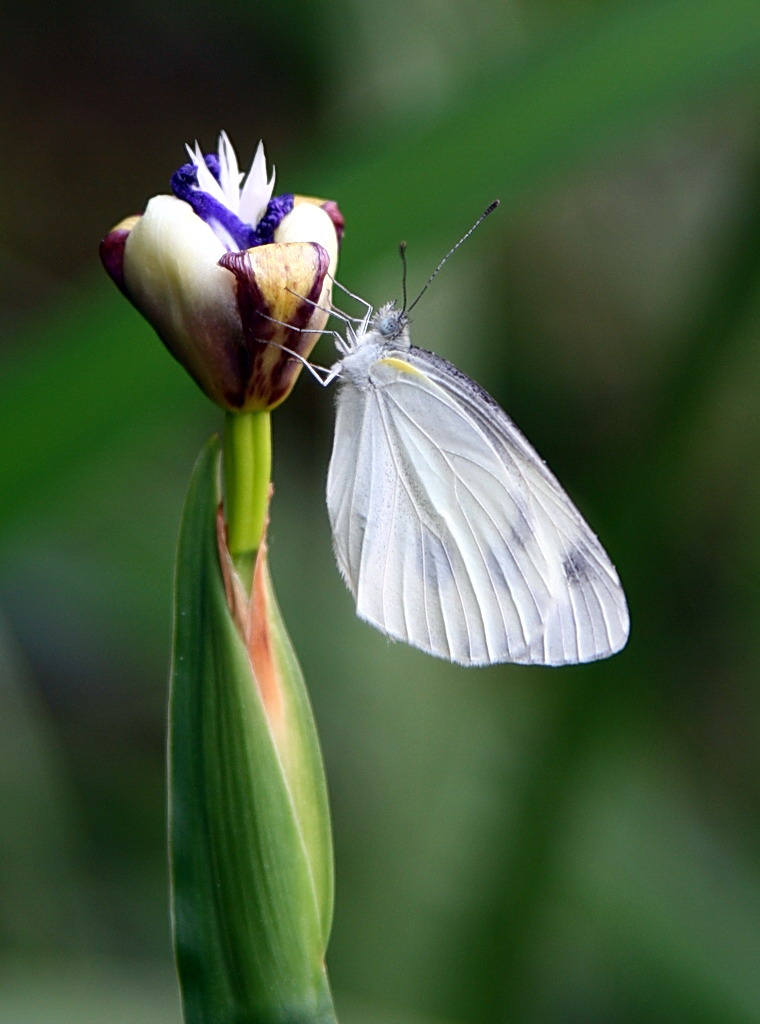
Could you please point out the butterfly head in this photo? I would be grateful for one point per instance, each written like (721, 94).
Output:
(389, 322)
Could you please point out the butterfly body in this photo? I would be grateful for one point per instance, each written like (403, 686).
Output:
(448, 528)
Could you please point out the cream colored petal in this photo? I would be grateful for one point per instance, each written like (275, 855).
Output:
(171, 275)
(278, 286)
(309, 223)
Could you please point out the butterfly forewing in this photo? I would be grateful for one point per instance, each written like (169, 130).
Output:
(450, 531)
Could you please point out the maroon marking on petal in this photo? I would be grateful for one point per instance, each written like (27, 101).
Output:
(268, 380)
(222, 374)
(254, 311)
(305, 308)
(250, 298)
(112, 256)
(333, 212)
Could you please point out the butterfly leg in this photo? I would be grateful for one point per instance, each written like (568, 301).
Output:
(330, 373)
(358, 298)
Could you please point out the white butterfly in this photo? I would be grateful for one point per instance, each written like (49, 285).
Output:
(449, 529)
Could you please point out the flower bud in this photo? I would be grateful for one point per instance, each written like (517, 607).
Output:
(229, 276)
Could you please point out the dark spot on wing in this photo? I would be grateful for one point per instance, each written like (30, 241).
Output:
(496, 569)
(520, 531)
(577, 568)
(438, 570)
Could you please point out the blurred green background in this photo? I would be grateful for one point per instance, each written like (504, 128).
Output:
(512, 844)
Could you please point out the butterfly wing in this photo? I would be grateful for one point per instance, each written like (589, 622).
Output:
(451, 532)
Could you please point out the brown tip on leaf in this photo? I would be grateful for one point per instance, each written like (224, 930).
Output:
(253, 618)
(261, 641)
(237, 601)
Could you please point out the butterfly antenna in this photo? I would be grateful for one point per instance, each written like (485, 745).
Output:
(451, 252)
(402, 254)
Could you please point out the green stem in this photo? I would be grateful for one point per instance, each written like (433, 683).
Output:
(249, 834)
(247, 472)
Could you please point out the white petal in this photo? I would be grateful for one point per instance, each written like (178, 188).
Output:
(257, 191)
(206, 180)
(229, 173)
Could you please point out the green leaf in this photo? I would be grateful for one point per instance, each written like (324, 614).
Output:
(249, 831)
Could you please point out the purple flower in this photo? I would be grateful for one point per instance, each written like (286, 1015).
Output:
(221, 269)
